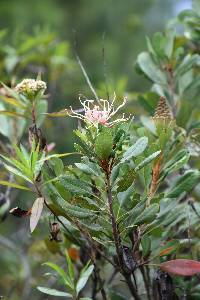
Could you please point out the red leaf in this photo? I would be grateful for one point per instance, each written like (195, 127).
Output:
(182, 267)
(166, 251)
(169, 247)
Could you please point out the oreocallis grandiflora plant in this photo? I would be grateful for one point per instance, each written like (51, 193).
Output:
(129, 205)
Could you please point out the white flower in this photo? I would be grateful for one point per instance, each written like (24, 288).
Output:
(99, 114)
(31, 86)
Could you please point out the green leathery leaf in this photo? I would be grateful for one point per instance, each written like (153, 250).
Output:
(148, 215)
(14, 185)
(125, 197)
(11, 92)
(12, 101)
(184, 184)
(104, 144)
(53, 292)
(147, 160)
(115, 295)
(169, 43)
(75, 186)
(130, 217)
(17, 173)
(57, 165)
(84, 276)
(174, 164)
(34, 155)
(87, 169)
(82, 136)
(192, 89)
(23, 156)
(17, 164)
(61, 273)
(136, 149)
(11, 114)
(115, 173)
(126, 180)
(188, 62)
(73, 210)
(148, 66)
(70, 267)
(146, 245)
(58, 155)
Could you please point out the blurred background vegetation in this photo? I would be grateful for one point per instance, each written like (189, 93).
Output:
(43, 36)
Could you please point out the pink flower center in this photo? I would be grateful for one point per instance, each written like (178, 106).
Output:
(97, 116)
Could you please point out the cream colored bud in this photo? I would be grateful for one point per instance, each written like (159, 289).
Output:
(31, 87)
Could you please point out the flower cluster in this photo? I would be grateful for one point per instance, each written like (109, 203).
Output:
(99, 114)
(31, 87)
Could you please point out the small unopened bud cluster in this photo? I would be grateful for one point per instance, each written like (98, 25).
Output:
(31, 87)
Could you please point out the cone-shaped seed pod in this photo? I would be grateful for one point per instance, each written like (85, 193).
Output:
(162, 110)
(164, 122)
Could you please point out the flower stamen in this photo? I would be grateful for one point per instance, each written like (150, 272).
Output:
(95, 114)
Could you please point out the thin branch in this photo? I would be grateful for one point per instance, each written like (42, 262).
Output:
(155, 178)
(101, 283)
(117, 239)
(92, 242)
(105, 68)
(114, 226)
(84, 71)
(146, 282)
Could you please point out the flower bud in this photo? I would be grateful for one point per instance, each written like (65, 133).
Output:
(31, 87)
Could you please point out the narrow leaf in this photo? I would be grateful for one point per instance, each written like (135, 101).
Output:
(53, 292)
(84, 276)
(184, 184)
(21, 156)
(147, 160)
(74, 210)
(59, 155)
(11, 114)
(60, 272)
(17, 164)
(62, 113)
(148, 215)
(70, 267)
(17, 172)
(14, 185)
(87, 169)
(75, 186)
(12, 102)
(135, 149)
